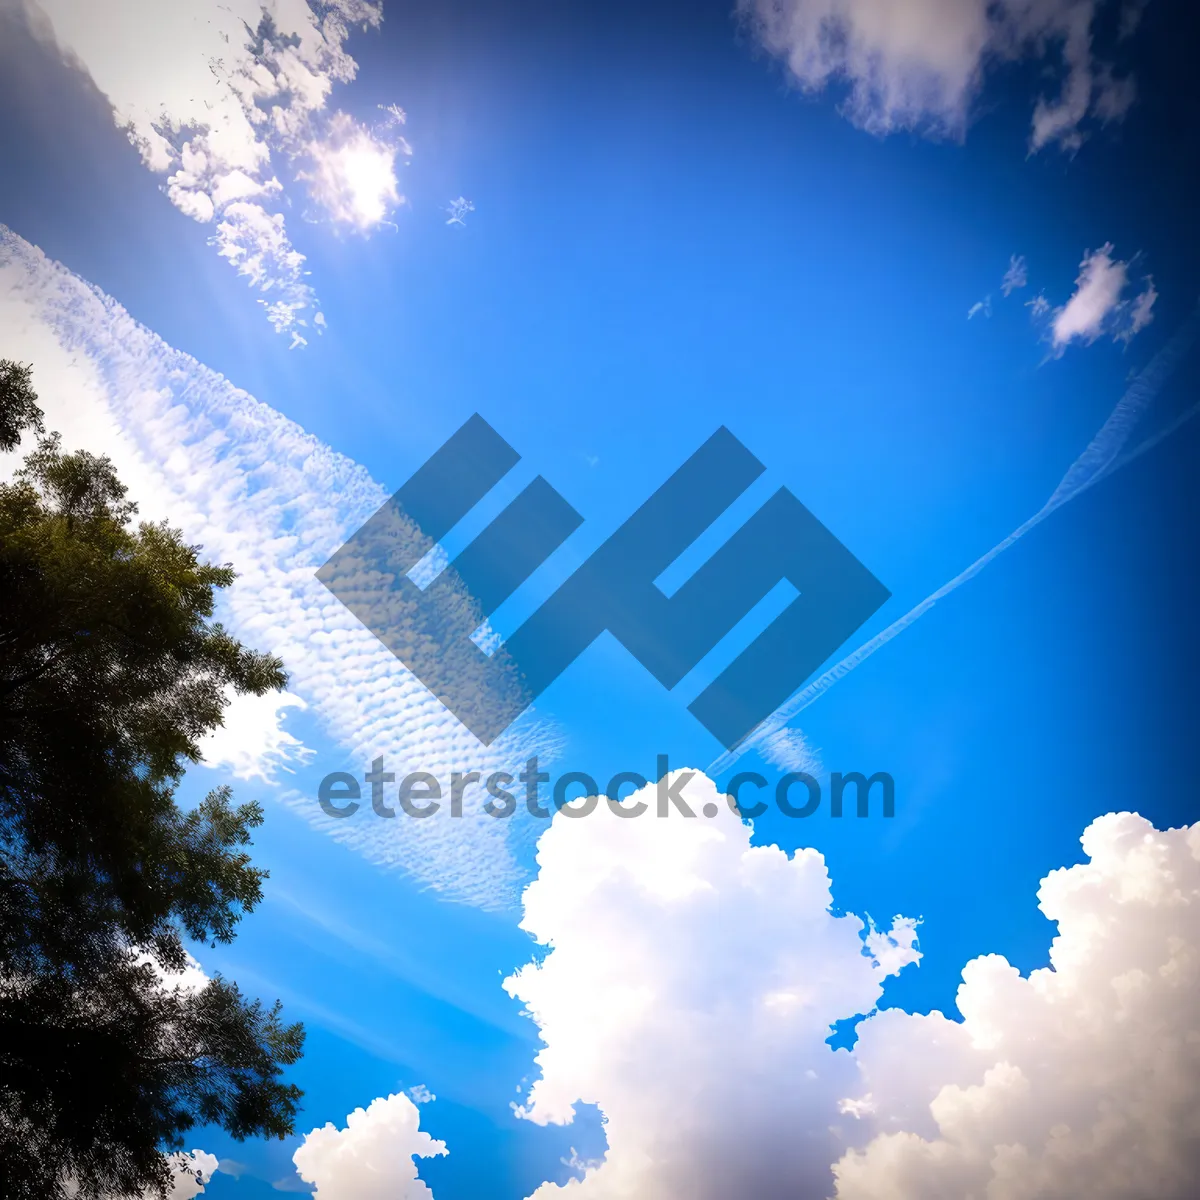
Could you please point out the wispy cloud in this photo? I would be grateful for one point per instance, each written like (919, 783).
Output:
(920, 65)
(1097, 293)
(981, 308)
(789, 750)
(220, 98)
(458, 210)
(254, 489)
(1017, 275)
(1141, 311)
(1096, 307)
(1105, 453)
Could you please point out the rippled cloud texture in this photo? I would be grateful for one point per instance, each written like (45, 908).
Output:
(256, 490)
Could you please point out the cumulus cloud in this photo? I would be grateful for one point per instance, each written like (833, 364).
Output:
(252, 743)
(920, 64)
(1082, 1079)
(689, 990)
(256, 490)
(1096, 307)
(692, 980)
(219, 96)
(373, 1157)
(1017, 275)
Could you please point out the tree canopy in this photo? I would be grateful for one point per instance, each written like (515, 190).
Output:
(111, 671)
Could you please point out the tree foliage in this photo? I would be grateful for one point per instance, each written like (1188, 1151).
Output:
(111, 671)
(18, 404)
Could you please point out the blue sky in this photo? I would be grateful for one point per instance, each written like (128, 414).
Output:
(669, 235)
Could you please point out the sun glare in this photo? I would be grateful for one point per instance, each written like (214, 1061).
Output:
(355, 179)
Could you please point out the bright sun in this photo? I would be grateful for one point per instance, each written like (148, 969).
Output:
(355, 179)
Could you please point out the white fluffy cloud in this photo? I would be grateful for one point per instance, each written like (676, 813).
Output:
(1096, 307)
(919, 64)
(692, 979)
(1082, 1079)
(373, 1157)
(252, 743)
(689, 989)
(219, 95)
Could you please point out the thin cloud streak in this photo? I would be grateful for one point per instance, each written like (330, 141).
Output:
(1100, 459)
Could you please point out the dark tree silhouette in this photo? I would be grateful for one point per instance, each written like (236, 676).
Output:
(111, 670)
